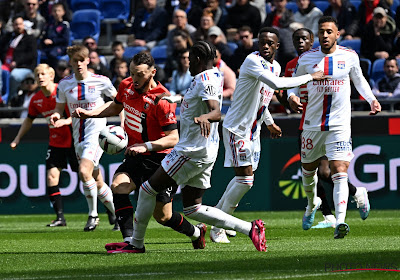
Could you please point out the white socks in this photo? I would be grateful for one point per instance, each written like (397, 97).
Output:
(90, 191)
(238, 189)
(340, 196)
(106, 197)
(310, 180)
(222, 199)
(213, 216)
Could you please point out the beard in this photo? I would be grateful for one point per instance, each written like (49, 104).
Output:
(145, 84)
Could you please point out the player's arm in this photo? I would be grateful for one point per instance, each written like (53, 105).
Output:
(25, 127)
(170, 139)
(108, 109)
(274, 129)
(62, 122)
(58, 111)
(363, 88)
(275, 82)
(205, 120)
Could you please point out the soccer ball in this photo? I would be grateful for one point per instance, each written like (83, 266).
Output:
(113, 139)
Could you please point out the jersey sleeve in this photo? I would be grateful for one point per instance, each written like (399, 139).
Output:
(109, 89)
(359, 80)
(166, 115)
(33, 112)
(60, 97)
(298, 71)
(208, 90)
(120, 94)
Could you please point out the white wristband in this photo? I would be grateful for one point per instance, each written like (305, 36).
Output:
(149, 146)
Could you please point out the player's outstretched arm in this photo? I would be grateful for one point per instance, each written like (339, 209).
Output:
(62, 122)
(375, 107)
(205, 120)
(25, 127)
(106, 110)
(275, 82)
(58, 111)
(170, 139)
(295, 104)
(173, 98)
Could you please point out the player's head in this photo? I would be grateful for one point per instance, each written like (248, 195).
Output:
(201, 57)
(44, 75)
(303, 40)
(78, 58)
(142, 70)
(390, 66)
(268, 42)
(328, 33)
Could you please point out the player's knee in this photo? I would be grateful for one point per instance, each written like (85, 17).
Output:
(161, 217)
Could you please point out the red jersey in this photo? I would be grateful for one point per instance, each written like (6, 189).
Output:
(44, 105)
(290, 66)
(144, 119)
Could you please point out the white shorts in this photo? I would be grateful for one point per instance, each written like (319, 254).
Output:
(89, 149)
(185, 171)
(336, 145)
(240, 151)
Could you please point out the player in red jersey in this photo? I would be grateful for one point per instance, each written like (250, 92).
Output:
(61, 150)
(152, 129)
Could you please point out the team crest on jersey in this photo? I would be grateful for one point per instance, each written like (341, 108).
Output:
(91, 89)
(264, 64)
(146, 106)
(210, 90)
(169, 116)
(341, 65)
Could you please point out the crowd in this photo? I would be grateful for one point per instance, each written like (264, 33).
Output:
(38, 31)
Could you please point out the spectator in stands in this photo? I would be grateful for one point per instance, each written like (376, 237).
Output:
(63, 69)
(280, 17)
(364, 15)
(180, 21)
(246, 47)
(344, 12)
(389, 85)
(220, 14)
(91, 44)
(181, 77)
(150, 24)
(229, 76)
(216, 38)
(99, 68)
(18, 53)
(182, 41)
(308, 15)
(55, 38)
(121, 71)
(118, 50)
(27, 89)
(194, 11)
(377, 39)
(243, 13)
(206, 23)
(5, 10)
(33, 20)
(46, 7)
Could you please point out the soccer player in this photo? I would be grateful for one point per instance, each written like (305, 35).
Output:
(152, 130)
(190, 163)
(84, 89)
(258, 79)
(60, 151)
(303, 40)
(326, 118)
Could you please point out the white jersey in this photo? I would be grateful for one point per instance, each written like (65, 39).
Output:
(208, 85)
(86, 94)
(326, 103)
(251, 98)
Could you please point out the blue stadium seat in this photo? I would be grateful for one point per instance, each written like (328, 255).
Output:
(322, 5)
(77, 5)
(233, 46)
(5, 76)
(159, 54)
(352, 44)
(115, 9)
(377, 69)
(366, 66)
(394, 6)
(292, 6)
(85, 23)
(131, 51)
(356, 3)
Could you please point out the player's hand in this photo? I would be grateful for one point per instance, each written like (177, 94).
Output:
(375, 107)
(205, 125)
(60, 123)
(276, 131)
(173, 98)
(136, 149)
(319, 75)
(295, 104)
(80, 113)
(160, 96)
(14, 143)
(54, 117)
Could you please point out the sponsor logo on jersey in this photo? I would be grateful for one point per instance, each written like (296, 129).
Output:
(242, 156)
(134, 111)
(148, 99)
(210, 90)
(290, 181)
(91, 89)
(341, 65)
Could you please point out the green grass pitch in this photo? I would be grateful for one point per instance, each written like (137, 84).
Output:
(29, 250)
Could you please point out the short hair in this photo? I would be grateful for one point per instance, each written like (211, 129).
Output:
(55, 5)
(143, 57)
(390, 58)
(179, 10)
(324, 19)
(245, 28)
(44, 67)
(16, 17)
(117, 43)
(270, 30)
(185, 35)
(204, 50)
(88, 37)
(80, 50)
(306, 30)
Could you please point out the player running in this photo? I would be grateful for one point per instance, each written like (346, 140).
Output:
(84, 90)
(60, 151)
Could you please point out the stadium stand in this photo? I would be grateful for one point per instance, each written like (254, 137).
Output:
(85, 23)
(354, 44)
(131, 51)
(77, 5)
(159, 54)
(377, 69)
(322, 5)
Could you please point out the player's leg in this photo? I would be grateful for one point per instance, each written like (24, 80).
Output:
(86, 167)
(53, 191)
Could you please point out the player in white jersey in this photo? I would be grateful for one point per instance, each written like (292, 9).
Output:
(326, 118)
(84, 89)
(258, 80)
(190, 163)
